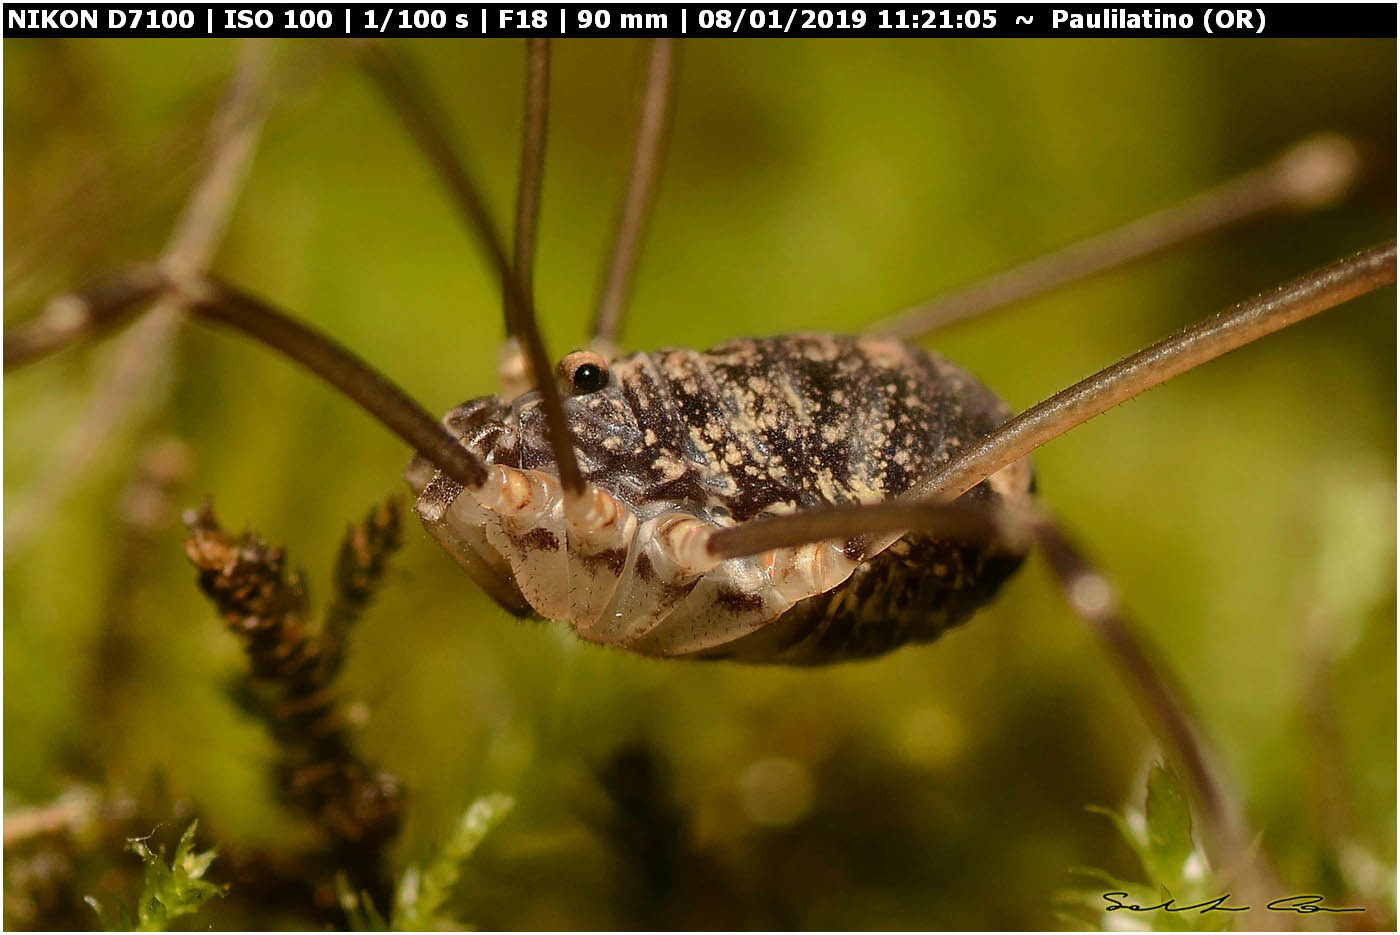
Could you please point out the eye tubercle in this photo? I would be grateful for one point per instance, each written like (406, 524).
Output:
(583, 372)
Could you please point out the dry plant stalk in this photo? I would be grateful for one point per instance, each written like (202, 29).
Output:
(292, 668)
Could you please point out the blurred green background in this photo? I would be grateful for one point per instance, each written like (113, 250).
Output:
(1246, 511)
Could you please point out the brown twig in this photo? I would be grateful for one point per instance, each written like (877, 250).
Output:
(359, 567)
(355, 805)
(126, 385)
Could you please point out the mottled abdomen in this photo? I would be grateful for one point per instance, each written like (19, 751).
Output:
(753, 428)
(911, 592)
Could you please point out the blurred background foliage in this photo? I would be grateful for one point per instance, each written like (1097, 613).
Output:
(1246, 510)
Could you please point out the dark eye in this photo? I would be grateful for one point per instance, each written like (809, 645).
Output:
(583, 372)
(589, 378)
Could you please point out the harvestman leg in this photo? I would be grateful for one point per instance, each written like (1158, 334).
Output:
(515, 377)
(520, 368)
(1091, 597)
(653, 128)
(422, 116)
(110, 302)
(1312, 173)
(524, 353)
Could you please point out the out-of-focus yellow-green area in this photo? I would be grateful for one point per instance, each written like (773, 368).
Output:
(1245, 511)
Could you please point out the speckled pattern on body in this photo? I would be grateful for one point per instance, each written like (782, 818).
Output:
(768, 426)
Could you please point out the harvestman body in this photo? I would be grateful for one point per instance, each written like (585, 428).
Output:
(675, 440)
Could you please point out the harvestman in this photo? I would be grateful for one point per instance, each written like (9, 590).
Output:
(799, 499)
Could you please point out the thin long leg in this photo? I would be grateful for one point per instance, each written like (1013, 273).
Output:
(1206, 340)
(214, 301)
(653, 123)
(950, 520)
(1310, 174)
(515, 376)
(1162, 703)
(421, 114)
(217, 302)
(532, 149)
(423, 118)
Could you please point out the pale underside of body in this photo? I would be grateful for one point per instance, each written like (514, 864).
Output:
(679, 441)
